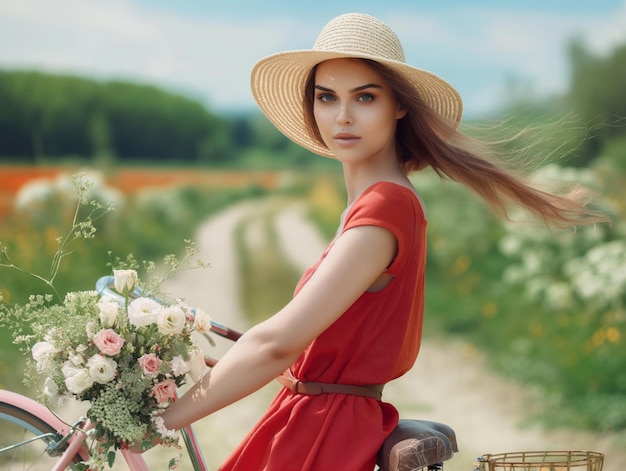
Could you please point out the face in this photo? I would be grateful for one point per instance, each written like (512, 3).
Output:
(355, 111)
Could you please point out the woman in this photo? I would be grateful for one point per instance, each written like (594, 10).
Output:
(355, 320)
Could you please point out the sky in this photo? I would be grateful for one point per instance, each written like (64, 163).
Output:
(491, 51)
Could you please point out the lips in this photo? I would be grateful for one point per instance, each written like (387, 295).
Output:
(345, 138)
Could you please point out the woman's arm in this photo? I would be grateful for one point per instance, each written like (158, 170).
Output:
(355, 261)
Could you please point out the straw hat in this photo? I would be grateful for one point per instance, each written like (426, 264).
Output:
(278, 81)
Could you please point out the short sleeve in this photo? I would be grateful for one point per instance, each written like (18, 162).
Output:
(394, 207)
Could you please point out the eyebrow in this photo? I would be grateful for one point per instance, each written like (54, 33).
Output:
(357, 89)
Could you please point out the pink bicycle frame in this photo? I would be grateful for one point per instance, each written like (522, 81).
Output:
(76, 445)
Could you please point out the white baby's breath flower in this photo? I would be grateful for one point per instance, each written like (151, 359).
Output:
(171, 320)
(109, 310)
(102, 369)
(559, 295)
(43, 354)
(76, 379)
(202, 321)
(197, 366)
(179, 366)
(144, 311)
(49, 337)
(125, 280)
(159, 426)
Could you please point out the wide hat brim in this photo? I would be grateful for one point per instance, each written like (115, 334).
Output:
(278, 85)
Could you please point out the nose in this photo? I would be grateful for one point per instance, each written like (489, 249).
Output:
(344, 115)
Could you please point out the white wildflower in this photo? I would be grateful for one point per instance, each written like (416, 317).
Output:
(77, 380)
(125, 280)
(144, 311)
(109, 310)
(159, 426)
(43, 354)
(171, 320)
(196, 364)
(202, 321)
(179, 366)
(75, 359)
(102, 369)
(51, 391)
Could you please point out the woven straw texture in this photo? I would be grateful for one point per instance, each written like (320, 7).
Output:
(278, 80)
(543, 461)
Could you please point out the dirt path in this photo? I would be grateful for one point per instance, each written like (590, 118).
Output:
(449, 383)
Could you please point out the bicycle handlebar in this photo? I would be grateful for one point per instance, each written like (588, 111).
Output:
(104, 284)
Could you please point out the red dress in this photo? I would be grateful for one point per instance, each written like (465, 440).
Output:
(376, 340)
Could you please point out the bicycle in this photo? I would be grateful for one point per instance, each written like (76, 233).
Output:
(414, 445)
(35, 438)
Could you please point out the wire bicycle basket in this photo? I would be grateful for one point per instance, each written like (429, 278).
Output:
(541, 461)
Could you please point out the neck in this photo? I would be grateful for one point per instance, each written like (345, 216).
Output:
(359, 177)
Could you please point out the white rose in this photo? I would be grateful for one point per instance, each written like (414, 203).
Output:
(50, 388)
(144, 311)
(171, 320)
(109, 309)
(202, 321)
(196, 364)
(43, 354)
(179, 366)
(51, 391)
(102, 369)
(125, 280)
(76, 379)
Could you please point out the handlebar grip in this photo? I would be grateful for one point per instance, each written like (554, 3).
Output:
(225, 332)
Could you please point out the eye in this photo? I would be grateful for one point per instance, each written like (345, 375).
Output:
(325, 97)
(366, 97)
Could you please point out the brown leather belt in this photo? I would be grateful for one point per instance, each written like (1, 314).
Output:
(307, 387)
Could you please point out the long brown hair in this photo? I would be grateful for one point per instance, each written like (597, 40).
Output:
(424, 139)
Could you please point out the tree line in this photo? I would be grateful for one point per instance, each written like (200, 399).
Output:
(49, 116)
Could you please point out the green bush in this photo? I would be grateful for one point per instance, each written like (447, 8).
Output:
(549, 307)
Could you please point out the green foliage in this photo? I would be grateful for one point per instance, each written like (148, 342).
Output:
(45, 115)
(549, 307)
(597, 93)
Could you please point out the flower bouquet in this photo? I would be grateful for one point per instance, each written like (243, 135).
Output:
(126, 357)
(122, 352)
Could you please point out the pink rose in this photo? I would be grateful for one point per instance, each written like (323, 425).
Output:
(108, 342)
(150, 364)
(164, 391)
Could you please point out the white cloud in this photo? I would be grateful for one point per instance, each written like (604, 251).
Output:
(479, 50)
(211, 58)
